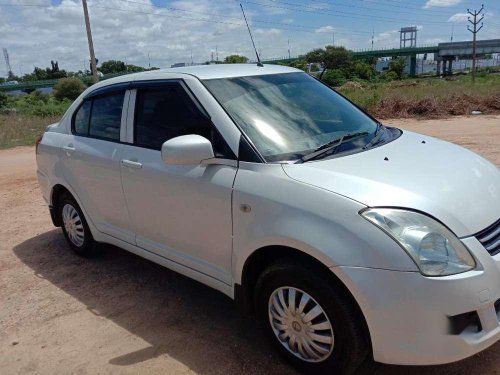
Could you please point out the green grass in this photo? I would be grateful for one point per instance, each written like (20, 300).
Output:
(20, 130)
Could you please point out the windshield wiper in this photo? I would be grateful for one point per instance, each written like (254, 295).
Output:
(376, 137)
(329, 146)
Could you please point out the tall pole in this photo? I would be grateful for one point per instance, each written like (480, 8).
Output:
(93, 65)
(289, 54)
(474, 31)
(373, 36)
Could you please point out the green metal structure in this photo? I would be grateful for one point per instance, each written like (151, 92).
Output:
(366, 54)
(30, 86)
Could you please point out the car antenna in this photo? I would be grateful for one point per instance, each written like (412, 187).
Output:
(251, 37)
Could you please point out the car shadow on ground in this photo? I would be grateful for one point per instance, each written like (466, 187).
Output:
(173, 313)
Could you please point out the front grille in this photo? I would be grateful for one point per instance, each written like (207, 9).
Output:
(490, 238)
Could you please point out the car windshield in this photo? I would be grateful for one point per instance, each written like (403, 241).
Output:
(287, 116)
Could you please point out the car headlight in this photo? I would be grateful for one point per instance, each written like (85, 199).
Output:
(434, 248)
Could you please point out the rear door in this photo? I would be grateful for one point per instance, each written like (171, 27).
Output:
(91, 157)
(180, 212)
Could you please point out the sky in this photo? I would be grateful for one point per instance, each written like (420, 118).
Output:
(161, 32)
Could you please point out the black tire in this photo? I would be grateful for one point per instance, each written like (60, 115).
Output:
(351, 342)
(88, 247)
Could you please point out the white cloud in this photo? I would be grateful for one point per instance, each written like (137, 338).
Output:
(441, 3)
(268, 31)
(458, 17)
(325, 29)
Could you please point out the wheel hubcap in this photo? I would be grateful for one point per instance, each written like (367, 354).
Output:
(300, 324)
(73, 225)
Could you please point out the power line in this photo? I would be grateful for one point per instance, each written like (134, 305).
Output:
(310, 9)
(336, 4)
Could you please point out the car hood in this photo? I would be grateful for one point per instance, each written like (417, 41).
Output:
(448, 182)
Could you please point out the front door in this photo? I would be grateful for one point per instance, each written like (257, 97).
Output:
(182, 213)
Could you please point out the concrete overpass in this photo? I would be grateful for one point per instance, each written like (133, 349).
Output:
(448, 52)
(444, 53)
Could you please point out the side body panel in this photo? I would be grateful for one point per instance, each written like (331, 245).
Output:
(315, 221)
(92, 170)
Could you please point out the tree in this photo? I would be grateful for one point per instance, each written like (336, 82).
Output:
(235, 59)
(134, 68)
(113, 66)
(398, 67)
(68, 88)
(53, 72)
(332, 57)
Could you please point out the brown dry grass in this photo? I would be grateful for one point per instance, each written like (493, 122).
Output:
(454, 105)
(428, 98)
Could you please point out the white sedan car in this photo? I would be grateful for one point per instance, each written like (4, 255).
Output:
(345, 238)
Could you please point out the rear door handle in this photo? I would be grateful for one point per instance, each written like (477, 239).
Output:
(69, 148)
(131, 164)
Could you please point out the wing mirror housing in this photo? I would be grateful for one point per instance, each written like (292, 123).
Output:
(189, 149)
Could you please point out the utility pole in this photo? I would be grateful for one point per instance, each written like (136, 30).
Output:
(373, 36)
(289, 55)
(333, 38)
(474, 31)
(93, 64)
(7, 63)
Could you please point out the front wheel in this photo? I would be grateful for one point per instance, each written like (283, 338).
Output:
(310, 322)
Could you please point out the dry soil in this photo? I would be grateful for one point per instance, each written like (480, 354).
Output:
(119, 313)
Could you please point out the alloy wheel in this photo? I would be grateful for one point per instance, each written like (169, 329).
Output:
(300, 324)
(73, 225)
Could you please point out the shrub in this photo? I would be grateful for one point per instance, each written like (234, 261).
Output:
(68, 88)
(36, 97)
(364, 70)
(390, 76)
(3, 99)
(334, 77)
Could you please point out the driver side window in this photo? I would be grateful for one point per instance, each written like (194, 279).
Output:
(166, 112)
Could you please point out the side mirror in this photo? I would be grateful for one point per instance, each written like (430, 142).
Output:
(189, 149)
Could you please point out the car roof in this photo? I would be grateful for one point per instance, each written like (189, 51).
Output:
(201, 72)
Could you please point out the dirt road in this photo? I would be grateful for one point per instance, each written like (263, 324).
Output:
(118, 313)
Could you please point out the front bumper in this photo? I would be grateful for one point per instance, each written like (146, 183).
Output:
(410, 316)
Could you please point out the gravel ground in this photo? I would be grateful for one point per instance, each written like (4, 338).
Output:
(119, 313)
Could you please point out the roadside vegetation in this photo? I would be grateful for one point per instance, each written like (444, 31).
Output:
(384, 95)
(426, 98)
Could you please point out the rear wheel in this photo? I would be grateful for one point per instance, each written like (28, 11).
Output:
(311, 323)
(75, 227)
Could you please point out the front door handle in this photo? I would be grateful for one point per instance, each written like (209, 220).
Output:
(131, 164)
(69, 148)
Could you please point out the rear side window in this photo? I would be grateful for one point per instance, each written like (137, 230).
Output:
(105, 119)
(165, 113)
(82, 117)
